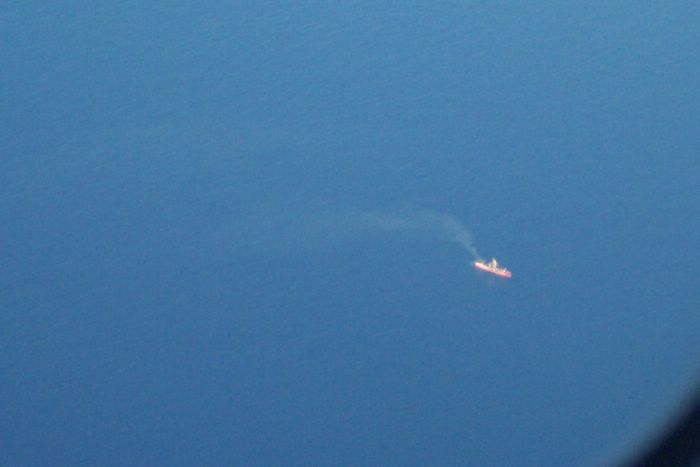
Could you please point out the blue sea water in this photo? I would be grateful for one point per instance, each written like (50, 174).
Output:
(188, 278)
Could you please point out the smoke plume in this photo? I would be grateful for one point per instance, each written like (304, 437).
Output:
(434, 223)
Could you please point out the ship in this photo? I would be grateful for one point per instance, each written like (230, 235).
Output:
(492, 267)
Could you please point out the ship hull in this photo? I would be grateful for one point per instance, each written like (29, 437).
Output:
(504, 273)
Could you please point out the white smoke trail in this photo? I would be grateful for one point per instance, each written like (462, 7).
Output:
(272, 231)
(439, 224)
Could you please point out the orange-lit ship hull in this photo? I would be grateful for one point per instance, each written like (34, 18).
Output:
(493, 268)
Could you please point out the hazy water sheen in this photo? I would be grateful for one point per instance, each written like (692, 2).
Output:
(183, 280)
